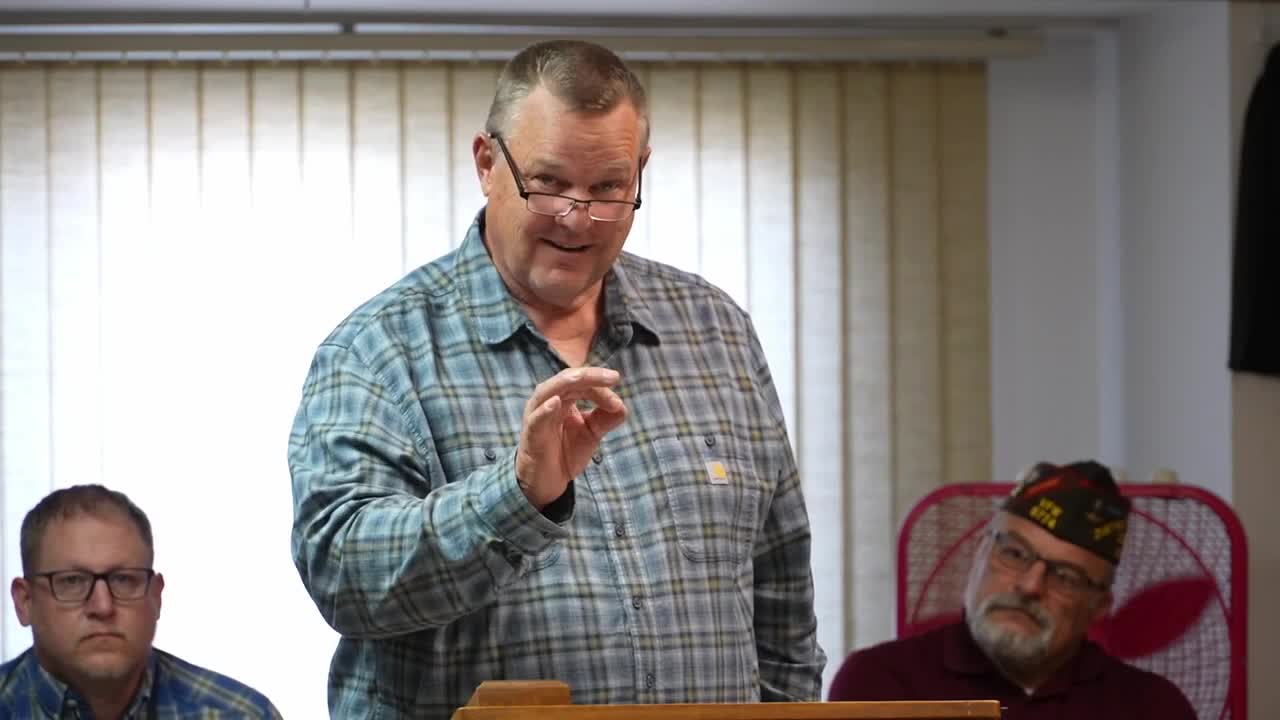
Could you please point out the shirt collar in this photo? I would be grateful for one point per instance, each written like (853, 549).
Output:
(1088, 665)
(50, 692)
(623, 303)
(142, 699)
(961, 655)
(497, 315)
(54, 696)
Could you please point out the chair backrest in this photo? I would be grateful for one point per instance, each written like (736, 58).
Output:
(1180, 589)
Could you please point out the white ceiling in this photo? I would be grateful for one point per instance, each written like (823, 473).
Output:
(509, 10)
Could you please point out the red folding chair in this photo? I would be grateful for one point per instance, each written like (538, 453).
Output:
(1180, 590)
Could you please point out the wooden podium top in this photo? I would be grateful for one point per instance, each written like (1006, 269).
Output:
(549, 700)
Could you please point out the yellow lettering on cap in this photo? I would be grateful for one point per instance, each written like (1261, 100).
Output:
(1115, 527)
(1046, 512)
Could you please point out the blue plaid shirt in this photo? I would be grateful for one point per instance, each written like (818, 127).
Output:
(678, 569)
(172, 689)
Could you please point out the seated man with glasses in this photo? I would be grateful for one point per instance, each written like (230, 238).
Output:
(1042, 575)
(92, 600)
(540, 456)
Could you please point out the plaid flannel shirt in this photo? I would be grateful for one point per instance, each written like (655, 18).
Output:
(172, 689)
(678, 570)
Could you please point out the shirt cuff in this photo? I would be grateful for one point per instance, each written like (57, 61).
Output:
(560, 510)
(505, 508)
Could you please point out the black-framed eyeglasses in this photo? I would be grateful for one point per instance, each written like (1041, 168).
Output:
(1013, 554)
(75, 586)
(561, 205)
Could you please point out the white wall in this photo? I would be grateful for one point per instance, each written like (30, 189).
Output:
(1176, 208)
(1054, 362)
(1110, 217)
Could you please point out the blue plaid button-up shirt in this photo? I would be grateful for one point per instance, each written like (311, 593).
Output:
(679, 569)
(172, 689)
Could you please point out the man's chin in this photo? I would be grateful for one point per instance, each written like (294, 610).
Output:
(1009, 643)
(106, 665)
(560, 289)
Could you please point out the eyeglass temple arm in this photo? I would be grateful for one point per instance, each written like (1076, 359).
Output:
(515, 171)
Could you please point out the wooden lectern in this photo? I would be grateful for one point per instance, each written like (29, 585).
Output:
(549, 700)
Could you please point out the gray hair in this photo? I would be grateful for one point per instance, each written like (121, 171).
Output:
(584, 76)
(73, 502)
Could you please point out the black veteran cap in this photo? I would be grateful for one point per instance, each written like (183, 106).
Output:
(1079, 503)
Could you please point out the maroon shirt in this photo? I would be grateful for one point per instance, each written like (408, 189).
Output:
(946, 664)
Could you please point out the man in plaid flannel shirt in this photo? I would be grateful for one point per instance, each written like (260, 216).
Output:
(92, 655)
(541, 457)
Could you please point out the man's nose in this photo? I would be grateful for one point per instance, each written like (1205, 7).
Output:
(578, 219)
(100, 601)
(1032, 580)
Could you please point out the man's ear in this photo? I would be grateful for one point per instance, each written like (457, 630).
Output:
(157, 588)
(482, 153)
(644, 156)
(20, 591)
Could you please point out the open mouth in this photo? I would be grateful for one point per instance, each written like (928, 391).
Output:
(567, 248)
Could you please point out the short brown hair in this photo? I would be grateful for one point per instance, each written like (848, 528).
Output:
(72, 502)
(584, 76)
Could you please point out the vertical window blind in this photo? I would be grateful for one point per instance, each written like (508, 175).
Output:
(175, 240)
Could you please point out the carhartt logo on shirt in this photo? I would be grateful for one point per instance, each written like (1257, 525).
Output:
(716, 473)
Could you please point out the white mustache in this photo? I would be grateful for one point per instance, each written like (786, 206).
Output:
(1013, 601)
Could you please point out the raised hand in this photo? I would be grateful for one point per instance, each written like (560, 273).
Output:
(557, 438)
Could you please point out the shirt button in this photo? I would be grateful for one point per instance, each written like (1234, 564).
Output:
(710, 441)
(619, 531)
(650, 681)
(597, 459)
(636, 603)
(490, 455)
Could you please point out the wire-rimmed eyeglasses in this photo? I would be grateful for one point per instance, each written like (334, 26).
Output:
(75, 586)
(561, 205)
(1013, 554)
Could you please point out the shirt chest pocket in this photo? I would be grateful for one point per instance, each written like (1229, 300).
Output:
(713, 494)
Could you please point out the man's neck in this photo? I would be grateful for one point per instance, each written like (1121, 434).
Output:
(109, 699)
(109, 709)
(1028, 683)
(1031, 679)
(569, 330)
